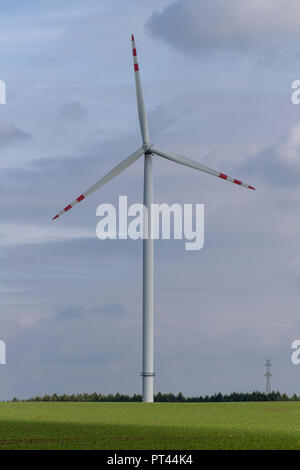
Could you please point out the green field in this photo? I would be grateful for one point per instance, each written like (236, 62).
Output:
(271, 425)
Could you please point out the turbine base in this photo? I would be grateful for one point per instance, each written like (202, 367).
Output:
(148, 382)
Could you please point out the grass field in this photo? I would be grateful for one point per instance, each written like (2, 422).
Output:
(272, 425)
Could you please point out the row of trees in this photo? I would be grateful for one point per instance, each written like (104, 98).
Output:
(167, 398)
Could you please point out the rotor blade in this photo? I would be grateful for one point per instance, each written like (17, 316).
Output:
(139, 96)
(114, 172)
(197, 166)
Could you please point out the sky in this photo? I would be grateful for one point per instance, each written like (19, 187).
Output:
(217, 82)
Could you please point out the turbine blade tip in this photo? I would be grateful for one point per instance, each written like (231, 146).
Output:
(132, 38)
(251, 187)
(56, 217)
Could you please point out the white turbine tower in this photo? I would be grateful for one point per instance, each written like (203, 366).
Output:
(148, 150)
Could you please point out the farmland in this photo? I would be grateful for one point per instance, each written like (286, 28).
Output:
(263, 425)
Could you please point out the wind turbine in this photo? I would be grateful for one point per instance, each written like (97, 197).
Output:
(148, 150)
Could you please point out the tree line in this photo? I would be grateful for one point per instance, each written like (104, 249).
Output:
(166, 397)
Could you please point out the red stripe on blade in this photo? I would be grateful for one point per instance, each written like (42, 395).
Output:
(132, 38)
(134, 52)
(251, 187)
(56, 217)
(68, 208)
(224, 177)
(136, 67)
(81, 198)
(237, 182)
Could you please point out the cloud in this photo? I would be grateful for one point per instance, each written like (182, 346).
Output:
(22, 234)
(203, 27)
(289, 151)
(72, 112)
(77, 311)
(54, 275)
(161, 120)
(10, 133)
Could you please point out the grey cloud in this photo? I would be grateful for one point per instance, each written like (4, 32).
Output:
(10, 133)
(77, 311)
(72, 112)
(51, 183)
(270, 169)
(203, 27)
(233, 303)
(160, 120)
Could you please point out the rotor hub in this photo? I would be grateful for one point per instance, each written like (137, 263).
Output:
(147, 148)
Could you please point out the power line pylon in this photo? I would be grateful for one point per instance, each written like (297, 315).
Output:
(268, 376)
